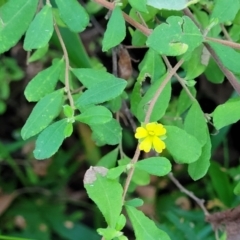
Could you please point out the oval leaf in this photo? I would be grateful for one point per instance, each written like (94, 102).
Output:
(42, 114)
(106, 193)
(144, 228)
(95, 115)
(114, 35)
(50, 139)
(195, 123)
(159, 166)
(44, 82)
(73, 14)
(182, 146)
(40, 30)
(168, 4)
(15, 19)
(227, 113)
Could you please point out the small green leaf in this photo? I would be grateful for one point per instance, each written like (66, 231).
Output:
(121, 222)
(15, 17)
(95, 115)
(73, 14)
(161, 105)
(114, 173)
(40, 30)
(236, 190)
(136, 202)
(169, 4)
(135, 98)
(178, 36)
(68, 130)
(139, 5)
(199, 168)
(102, 92)
(50, 139)
(106, 193)
(228, 56)
(182, 146)
(144, 228)
(43, 113)
(110, 159)
(108, 233)
(195, 123)
(114, 35)
(90, 77)
(213, 72)
(44, 82)
(227, 113)
(107, 133)
(68, 111)
(159, 166)
(38, 54)
(151, 66)
(225, 10)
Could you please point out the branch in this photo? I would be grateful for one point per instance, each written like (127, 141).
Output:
(199, 201)
(67, 66)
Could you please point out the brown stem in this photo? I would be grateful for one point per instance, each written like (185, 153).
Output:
(160, 89)
(224, 42)
(67, 66)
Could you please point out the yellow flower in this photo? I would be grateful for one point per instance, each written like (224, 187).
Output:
(149, 137)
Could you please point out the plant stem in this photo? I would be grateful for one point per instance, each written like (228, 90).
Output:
(67, 66)
(224, 42)
(172, 71)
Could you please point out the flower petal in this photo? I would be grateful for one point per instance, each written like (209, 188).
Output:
(158, 144)
(141, 132)
(160, 130)
(151, 126)
(146, 144)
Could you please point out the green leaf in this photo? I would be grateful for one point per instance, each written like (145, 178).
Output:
(159, 166)
(90, 77)
(50, 139)
(138, 38)
(184, 102)
(228, 56)
(199, 168)
(169, 4)
(38, 54)
(135, 202)
(144, 228)
(227, 113)
(73, 14)
(182, 146)
(139, 5)
(106, 193)
(236, 190)
(121, 222)
(114, 35)
(108, 233)
(68, 111)
(102, 92)
(44, 82)
(109, 160)
(107, 133)
(195, 123)
(68, 130)
(213, 72)
(178, 36)
(15, 17)
(161, 105)
(135, 98)
(40, 30)
(151, 66)
(225, 10)
(95, 115)
(43, 113)
(114, 173)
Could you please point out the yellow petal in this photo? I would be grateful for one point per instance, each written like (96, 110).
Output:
(160, 130)
(146, 144)
(151, 126)
(141, 133)
(158, 144)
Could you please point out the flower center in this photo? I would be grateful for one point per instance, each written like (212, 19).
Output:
(151, 133)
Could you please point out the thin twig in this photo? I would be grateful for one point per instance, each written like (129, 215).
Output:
(181, 81)
(224, 42)
(199, 201)
(67, 66)
(160, 89)
(225, 32)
